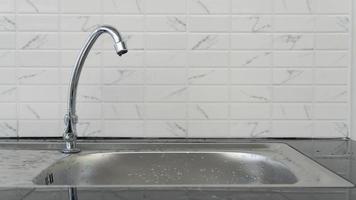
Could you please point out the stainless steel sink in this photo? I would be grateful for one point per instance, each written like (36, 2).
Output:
(245, 165)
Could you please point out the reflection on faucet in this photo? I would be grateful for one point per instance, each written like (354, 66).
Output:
(72, 193)
(71, 119)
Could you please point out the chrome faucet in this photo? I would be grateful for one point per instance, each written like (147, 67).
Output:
(71, 119)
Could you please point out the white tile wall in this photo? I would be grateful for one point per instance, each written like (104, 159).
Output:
(195, 68)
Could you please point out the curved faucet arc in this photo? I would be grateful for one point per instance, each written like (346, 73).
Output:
(71, 119)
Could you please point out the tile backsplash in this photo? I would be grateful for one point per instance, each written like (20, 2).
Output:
(195, 68)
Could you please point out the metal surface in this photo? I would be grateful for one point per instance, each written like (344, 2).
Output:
(237, 165)
(71, 119)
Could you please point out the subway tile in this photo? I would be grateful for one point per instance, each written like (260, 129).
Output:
(8, 128)
(123, 128)
(8, 111)
(165, 7)
(208, 111)
(331, 94)
(251, 41)
(125, 23)
(331, 129)
(86, 111)
(8, 93)
(293, 23)
(38, 111)
(209, 24)
(165, 58)
(74, 40)
(295, 129)
(292, 111)
(251, 6)
(40, 128)
(89, 128)
(331, 76)
(295, 7)
(162, 76)
(208, 129)
(205, 7)
(332, 111)
(207, 76)
(333, 6)
(208, 93)
(165, 41)
(123, 111)
(208, 59)
(123, 76)
(168, 23)
(166, 128)
(292, 94)
(37, 22)
(332, 59)
(68, 6)
(39, 93)
(38, 58)
(7, 58)
(251, 111)
(38, 76)
(295, 41)
(250, 129)
(133, 41)
(165, 111)
(122, 6)
(250, 76)
(82, 23)
(7, 6)
(332, 41)
(86, 93)
(339, 24)
(8, 22)
(7, 40)
(208, 41)
(123, 93)
(292, 76)
(37, 6)
(8, 76)
(250, 94)
(132, 59)
(293, 59)
(69, 57)
(251, 58)
(166, 93)
(88, 77)
(251, 23)
(28, 41)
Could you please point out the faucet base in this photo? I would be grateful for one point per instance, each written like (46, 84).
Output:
(70, 151)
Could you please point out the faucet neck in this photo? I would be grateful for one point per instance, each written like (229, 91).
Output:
(81, 60)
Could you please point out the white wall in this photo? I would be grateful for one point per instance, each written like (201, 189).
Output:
(196, 68)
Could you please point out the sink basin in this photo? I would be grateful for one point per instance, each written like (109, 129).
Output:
(246, 165)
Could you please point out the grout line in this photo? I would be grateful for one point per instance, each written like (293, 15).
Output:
(60, 106)
(272, 66)
(313, 86)
(144, 86)
(17, 75)
(187, 69)
(230, 133)
(102, 126)
(183, 13)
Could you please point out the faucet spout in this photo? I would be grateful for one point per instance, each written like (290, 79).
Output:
(71, 119)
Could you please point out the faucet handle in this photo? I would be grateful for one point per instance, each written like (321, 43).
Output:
(70, 117)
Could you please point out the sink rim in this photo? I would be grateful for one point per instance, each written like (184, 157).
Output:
(279, 147)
